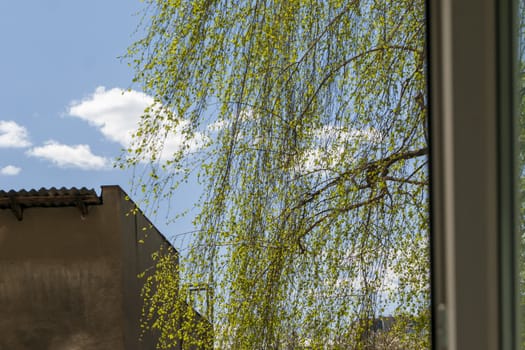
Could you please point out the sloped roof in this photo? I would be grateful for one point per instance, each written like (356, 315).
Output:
(52, 197)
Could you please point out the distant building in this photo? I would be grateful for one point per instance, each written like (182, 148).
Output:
(382, 324)
(69, 261)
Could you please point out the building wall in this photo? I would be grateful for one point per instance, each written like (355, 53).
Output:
(140, 239)
(69, 281)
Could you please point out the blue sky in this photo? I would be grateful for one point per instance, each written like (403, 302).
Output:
(63, 117)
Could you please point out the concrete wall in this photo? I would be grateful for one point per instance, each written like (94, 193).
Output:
(69, 281)
(140, 239)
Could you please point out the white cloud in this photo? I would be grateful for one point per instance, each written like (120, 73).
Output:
(13, 135)
(328, 132)
(331, 147)
(116, 112)
(66, 156)
(10, 170)
(218, 125)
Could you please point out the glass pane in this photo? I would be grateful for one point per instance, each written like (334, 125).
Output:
(306, 122)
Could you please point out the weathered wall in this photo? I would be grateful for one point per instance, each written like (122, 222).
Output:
(70, 282)
(60, 279)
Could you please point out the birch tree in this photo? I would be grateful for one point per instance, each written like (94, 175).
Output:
(306, 124)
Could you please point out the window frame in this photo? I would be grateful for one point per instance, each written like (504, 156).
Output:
(474, 198)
